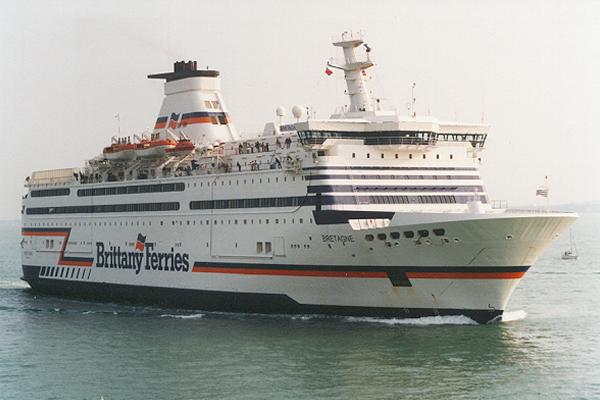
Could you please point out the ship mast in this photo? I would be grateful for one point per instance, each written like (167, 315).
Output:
(354, 70)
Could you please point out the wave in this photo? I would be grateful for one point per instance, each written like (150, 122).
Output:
(509, 316)
(180, 316)
(423, 321)
(13, 285)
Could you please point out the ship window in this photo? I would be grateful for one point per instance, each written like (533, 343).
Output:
(207, 104)
(353, 155)
(437, 156)
(368, 155)
(439, 232)
(395, 235)
(300, 220)
(267, 247)
(382, 155)
(369, 238)
(410, 156)
(43, 271)
(424, 156)
(259, 247)
(396, 155)
(423, 232)
(451, 156)
(381, 236)
(409, 234)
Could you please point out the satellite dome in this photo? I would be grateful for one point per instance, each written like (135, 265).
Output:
(298, 111)
(280, 111)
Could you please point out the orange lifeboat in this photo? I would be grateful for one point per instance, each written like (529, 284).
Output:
(154, 148)
(120, 152)
(183, 146)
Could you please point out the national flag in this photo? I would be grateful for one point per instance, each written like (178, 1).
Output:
(141, 242)
(173, 120)
(541, 191)
(328, 71)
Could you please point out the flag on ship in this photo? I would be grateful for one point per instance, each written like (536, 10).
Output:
(328, 71)
(542, 190)
(141, 242)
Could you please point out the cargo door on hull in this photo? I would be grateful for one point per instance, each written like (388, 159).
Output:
(278, 246)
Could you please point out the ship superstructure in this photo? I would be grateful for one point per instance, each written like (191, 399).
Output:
(365, 213)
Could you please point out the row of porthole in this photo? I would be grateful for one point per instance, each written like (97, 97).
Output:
(422, 233)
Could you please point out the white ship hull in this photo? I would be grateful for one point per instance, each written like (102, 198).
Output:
(471, 270)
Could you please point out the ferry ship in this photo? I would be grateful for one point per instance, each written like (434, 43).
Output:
(366, 213)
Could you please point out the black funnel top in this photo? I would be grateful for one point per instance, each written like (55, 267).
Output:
(184, 69)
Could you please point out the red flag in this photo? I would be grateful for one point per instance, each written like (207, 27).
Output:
(328, 71)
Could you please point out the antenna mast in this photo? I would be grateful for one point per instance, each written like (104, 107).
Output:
(354, 70)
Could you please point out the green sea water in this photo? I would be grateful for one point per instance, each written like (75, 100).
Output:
(547, 348)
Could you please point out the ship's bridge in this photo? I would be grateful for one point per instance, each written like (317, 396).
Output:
(401, 131)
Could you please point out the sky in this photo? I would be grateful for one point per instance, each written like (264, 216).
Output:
(530, 69)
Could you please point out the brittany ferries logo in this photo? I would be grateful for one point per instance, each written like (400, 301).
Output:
(142, 256)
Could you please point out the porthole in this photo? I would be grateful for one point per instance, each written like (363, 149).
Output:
(409, 234)
(509, 237)
(423, 233)
(381, 236)
(395, 235)
(439, 232)
(369, 238)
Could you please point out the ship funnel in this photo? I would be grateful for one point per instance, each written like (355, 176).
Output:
(193, 105)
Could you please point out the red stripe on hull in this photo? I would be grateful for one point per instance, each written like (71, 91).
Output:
(291, 272)
(465, 275)
(359, 274)
(65, 234)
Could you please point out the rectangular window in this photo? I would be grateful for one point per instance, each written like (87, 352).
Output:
(259, 247)
(267, 247)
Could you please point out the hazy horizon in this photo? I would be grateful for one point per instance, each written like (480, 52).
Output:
(529, 69)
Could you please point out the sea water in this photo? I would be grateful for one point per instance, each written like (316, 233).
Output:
(547, 346)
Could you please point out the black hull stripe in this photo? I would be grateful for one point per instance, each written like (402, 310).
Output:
(366, 268)
(364, 188)
(325, 167)
(392, 177)
(256, 303)
(327, 217)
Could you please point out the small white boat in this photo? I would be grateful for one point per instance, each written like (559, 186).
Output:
(570, 254)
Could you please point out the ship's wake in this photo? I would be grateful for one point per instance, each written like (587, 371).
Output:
(423, 321)
(510, 316)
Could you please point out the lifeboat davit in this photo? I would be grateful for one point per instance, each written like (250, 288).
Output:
(120, 152)
(154, 148)
(183, 146)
